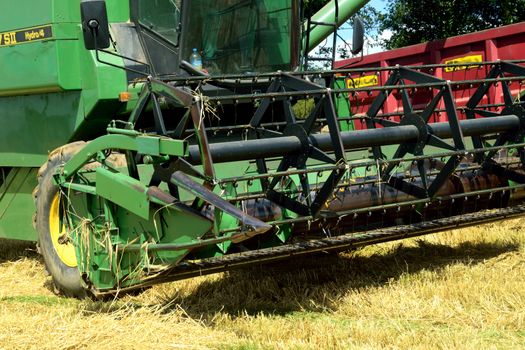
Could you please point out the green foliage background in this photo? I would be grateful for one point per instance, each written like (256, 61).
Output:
(312, 6)
(416, 21)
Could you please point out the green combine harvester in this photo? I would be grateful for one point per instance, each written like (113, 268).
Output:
(146, 141)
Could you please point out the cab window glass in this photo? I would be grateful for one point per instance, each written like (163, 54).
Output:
(161, 17)
(240, 36)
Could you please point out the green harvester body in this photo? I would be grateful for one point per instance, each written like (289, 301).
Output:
(188, 170)
(54, 91)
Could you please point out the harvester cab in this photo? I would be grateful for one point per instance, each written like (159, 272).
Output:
(172, 162)
(231, 37)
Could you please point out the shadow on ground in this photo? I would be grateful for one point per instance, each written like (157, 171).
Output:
(312, 283)
(315, 283)
(14, 250)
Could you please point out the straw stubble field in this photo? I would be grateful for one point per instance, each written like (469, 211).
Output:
(461, 289)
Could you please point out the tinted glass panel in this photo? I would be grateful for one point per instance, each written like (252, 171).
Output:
(161, 17)
(240, 36)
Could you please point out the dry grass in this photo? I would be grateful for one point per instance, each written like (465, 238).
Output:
(462, 289)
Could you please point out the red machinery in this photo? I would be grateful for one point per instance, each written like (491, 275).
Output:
(503, 43)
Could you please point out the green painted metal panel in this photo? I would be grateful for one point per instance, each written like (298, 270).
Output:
(18, 14)
(16, 205)
(52, 64)
(69, 77)
(124, 191)
(101, 85)
(342, 104)
(27, 68)
(181, 227)
(34, 125)
(124, 142)
(149, 145)
(44, 58)
(118, 10)
(37, 114)
(69, 11)
(29, 13)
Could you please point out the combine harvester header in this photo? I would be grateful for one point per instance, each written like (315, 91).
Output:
(167, 169)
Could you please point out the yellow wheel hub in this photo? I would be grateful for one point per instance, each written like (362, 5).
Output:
(65, 251)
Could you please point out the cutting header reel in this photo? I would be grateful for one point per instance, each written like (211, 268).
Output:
(221, 172)
(210, 171)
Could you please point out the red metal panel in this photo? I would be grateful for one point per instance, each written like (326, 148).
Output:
(503, 43)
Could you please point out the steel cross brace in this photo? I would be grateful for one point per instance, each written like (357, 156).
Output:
(426, 137)
(324, 108)
(512, 105)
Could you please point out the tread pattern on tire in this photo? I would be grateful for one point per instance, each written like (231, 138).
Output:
(65, 280)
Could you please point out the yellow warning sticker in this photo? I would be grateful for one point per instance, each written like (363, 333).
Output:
(466, 59)
(364, 81)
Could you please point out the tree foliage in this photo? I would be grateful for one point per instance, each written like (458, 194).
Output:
(416, 21)
(310, 7)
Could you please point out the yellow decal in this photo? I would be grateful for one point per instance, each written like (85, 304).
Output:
(27, 35)
(364, 81)
(466, 59)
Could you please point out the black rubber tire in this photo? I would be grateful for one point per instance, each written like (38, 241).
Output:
(66, 279)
